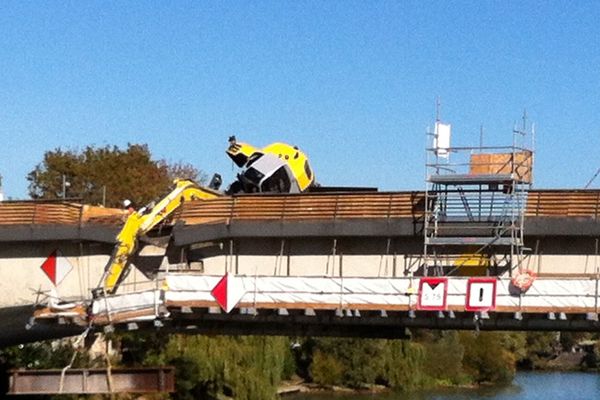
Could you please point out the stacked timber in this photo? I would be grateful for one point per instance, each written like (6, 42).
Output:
(304, 207)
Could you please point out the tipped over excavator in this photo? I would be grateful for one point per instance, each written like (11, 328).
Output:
(276, 168)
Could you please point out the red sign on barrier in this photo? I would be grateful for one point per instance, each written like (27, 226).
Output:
(432, 294)
(481, 294)
(56, 267)
(228, 291)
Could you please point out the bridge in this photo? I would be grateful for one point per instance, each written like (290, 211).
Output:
(312, 264)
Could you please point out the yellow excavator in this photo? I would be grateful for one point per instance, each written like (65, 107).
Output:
(278, 167)
(141, 222)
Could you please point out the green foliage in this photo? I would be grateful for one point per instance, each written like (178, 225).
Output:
(362, 359)
(129, 173)
(593, 359)
(54, 354)
(444, 356)
(245, 368)
(516, 343)
(326, 369)
(569, 339)
(541, 346)
(42, 355)
(251, 368)
(433, 358)
(485, 358)
(289, 363)
(138, 347)
(404, 366)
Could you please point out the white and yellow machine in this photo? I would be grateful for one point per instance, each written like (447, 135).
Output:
(276, 168)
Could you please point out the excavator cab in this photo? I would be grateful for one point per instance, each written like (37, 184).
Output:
(268, 174)
(277, 168)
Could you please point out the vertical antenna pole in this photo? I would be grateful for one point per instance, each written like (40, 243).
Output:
(531, 180)
(481, 138)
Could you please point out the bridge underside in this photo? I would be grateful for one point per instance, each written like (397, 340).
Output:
(17, 327)
(350, 323)
(367, 324)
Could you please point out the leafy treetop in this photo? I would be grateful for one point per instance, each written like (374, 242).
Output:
(117, 173)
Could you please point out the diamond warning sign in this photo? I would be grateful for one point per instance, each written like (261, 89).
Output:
(228, 292)
(432, 294)
(56, 267)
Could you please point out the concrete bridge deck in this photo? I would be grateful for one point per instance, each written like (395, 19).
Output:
(351, 235)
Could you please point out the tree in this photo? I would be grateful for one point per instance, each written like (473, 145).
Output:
(348, 361)
(105, 174)
(444, 357)
(486, 359)
(183, 170)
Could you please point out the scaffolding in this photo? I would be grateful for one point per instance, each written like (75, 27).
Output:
(475, 204)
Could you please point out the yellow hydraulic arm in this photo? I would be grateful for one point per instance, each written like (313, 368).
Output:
(139, 223)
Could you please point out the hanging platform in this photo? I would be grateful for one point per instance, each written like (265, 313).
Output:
(92, 381)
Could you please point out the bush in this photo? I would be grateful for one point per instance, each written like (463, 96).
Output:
(444, 357)
(485, 359)
(246, 368)
(362, 360)
(326, 369)
(404, 366)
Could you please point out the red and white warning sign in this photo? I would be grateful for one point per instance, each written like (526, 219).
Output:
(229, 291)
(432, 294)
(481, 294)
(56, 267)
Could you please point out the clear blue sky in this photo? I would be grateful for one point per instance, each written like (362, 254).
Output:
(352, 83)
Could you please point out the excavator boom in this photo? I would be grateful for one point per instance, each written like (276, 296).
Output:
(278, 167)
(140, 222)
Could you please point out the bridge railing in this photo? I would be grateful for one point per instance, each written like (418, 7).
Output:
(563, 203)
(37, 212)
(323, 206)
(304, 207)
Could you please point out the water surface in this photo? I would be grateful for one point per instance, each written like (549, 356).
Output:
(526, 386)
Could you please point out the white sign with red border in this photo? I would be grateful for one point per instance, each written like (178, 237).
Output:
(433, 293)
(481, 294)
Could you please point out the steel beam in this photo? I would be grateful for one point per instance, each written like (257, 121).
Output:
(92, 381)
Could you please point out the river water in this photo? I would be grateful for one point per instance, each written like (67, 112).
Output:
(526, 386)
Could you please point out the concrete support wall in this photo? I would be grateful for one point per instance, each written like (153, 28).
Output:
(21, 276)
(372, 257)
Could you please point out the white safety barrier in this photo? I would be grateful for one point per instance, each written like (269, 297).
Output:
(459, 294)
(568, 295)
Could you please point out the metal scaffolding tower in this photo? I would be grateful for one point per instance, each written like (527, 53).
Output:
(475, 204)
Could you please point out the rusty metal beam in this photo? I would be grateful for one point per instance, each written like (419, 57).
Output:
(92, 381)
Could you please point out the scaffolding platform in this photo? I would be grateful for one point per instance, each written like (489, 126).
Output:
(469, 241)
(475, 179)
(475, 202)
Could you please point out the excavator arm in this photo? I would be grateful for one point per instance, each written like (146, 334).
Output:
(278, 167)
(140, 222)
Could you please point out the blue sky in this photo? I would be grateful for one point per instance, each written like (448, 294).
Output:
(352, 83)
